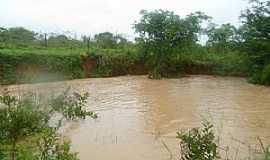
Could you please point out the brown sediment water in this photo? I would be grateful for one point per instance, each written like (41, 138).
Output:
(139, 117)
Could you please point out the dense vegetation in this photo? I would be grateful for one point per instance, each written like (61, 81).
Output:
(167, 45)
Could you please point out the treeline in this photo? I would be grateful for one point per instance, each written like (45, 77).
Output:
(169, 45)
(19, 37)
(165, 37)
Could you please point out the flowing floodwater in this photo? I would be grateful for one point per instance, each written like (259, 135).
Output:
(139, 117)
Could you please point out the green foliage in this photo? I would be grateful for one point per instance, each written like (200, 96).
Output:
(17, 36)
(266, 75)
(223, 38)
(255, 32)
(24, 118)
(2, 154)
(118, 62)
(267, 153)
(20, 118)
(261, 76)
(105, 40)
(163, 32)
(167, 46)
(59, 41)
(265, 150)
(71, 106)
(198, 144)
(50, 65)
(51, 148)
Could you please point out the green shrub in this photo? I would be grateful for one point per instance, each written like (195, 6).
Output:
(24, 118)
(71, 106)
(198, 144)
(154, 74)
(49, 147)
(265, 77)
(267, 153)
(261, 76)
(115, 62)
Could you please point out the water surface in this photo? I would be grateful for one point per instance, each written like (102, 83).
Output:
(139, 117)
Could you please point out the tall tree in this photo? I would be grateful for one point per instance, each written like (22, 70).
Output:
(256, 31)
(162, 32)
(222, 38)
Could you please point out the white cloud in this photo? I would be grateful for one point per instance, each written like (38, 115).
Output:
(93, 16)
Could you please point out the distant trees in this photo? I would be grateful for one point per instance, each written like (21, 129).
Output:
(3, 34)
(107, 40)
(59, 41)
(21, 37)
(17, 35)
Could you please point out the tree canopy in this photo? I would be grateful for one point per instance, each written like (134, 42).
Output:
(256, 31)
(162, 32)
(222, 38)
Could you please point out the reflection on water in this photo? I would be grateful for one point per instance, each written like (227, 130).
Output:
(137, 116)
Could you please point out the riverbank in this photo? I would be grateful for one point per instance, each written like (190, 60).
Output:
(45, 65)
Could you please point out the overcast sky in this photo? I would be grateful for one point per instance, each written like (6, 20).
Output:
(117, 16)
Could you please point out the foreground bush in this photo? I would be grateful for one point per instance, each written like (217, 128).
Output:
(266, 75)
(261, 76)
(198, 144)
(26, 128)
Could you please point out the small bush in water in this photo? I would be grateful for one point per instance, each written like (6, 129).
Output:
(198, 144)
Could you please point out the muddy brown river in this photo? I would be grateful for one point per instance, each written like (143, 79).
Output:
(139, 117)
